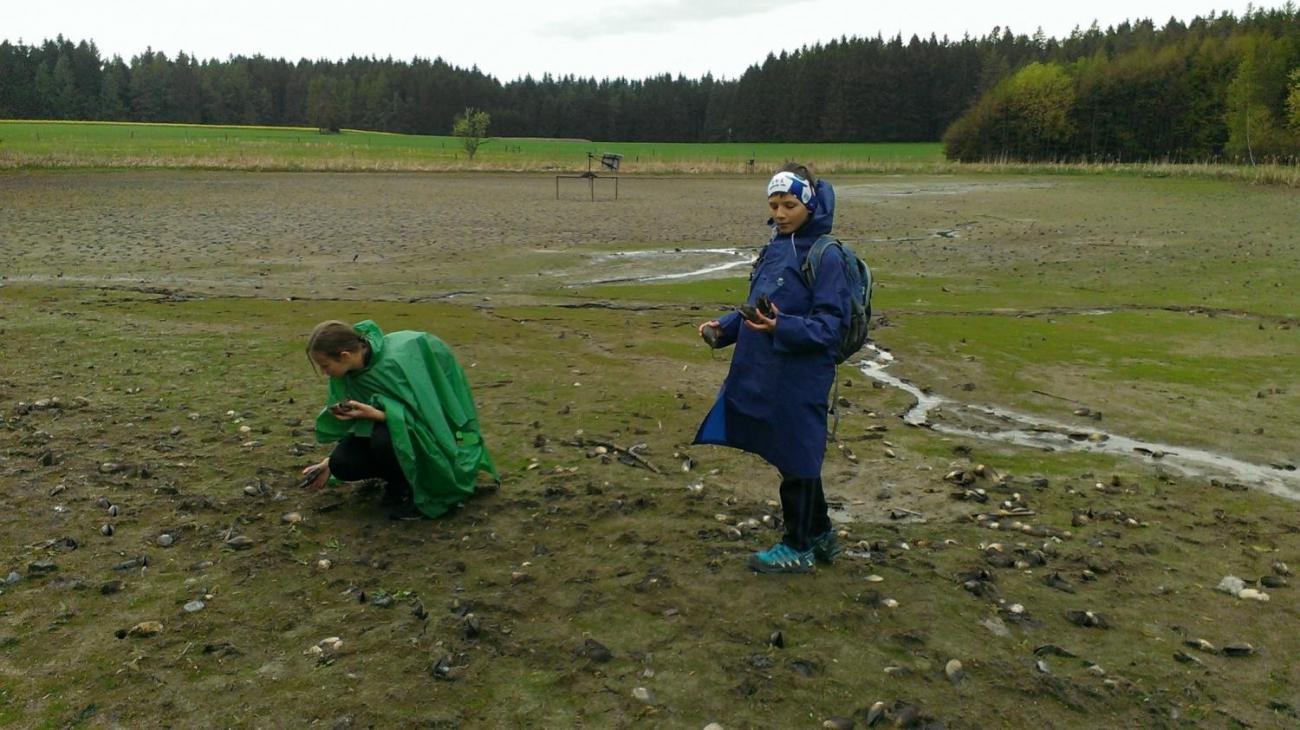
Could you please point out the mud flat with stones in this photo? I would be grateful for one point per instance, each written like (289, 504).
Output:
(156, 405)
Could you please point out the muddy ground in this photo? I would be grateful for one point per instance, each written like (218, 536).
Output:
(166, 314)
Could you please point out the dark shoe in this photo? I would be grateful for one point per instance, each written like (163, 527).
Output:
(826, 546)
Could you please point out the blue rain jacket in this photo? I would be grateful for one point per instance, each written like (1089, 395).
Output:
(774, 401)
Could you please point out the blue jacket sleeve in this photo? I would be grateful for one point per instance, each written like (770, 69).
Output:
(730, 326)
(823, 326)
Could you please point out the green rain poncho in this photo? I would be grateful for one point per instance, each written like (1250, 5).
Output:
(415, 380)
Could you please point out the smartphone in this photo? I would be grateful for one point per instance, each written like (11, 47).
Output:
(343, 407)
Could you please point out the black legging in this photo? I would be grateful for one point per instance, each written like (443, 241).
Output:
(368, 458)
(803, 507)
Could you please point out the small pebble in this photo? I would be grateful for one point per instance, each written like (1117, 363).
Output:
(106, 530)
(873, 578)
(112, 510)
(324, 564)
(13, 577)
(239, 542)
(291, 518)
(145, 629)
(889, 603)
(954, 671)
(641, 694)
(195, 606)
(166, 540)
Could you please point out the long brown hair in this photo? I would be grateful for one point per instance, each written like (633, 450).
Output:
(334, 338)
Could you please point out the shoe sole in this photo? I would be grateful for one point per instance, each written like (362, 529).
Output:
(766, 569)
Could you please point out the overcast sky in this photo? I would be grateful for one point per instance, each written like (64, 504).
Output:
(511, 38)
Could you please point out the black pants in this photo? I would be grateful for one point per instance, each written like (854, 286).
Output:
(358, 458)
(803, 507)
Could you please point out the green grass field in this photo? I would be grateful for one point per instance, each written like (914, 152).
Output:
(100, 144)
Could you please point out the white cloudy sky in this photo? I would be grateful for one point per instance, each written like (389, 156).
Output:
(510, 38)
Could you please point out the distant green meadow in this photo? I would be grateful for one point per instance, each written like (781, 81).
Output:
(110, 144)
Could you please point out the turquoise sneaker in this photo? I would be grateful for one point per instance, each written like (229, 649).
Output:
(781, 558)
(826, 546)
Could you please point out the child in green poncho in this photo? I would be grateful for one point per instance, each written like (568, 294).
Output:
(400, 408)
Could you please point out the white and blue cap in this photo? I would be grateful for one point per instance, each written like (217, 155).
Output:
(788, 182)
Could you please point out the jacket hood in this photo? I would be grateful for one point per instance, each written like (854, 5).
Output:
(822, 219)
(374, 337)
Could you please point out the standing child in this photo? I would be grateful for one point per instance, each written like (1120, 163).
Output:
(774, 400)
(400, 408)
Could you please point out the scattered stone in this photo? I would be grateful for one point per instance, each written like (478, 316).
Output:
(1280, 568)
(132, 563)
(1273, 581)
(324, 564)
(1042, 667)
(761, 662)
(291, 518)
(145, 629)
(239, 542)
(106, 530)
(875, 714)
(381, 600)
(873, 578)
(889, 603)
(1053, 650)
(195, 606)
(1202, 645)
(108, 588)
(166, 540)
(714, 726)
(777, 640)
(1251, 594)
(836, 722)
(1238, 649)
(595, 651)
(953, 670)
(442, 669)
(641, 694)
(113, 467)
(1186, 658)
(803, 668)
(41, 567)
(112, 510)
(418, 611)
(473, 626)
(996, 625)
(519, 577)
(1055, 580)
(1231, 584)
(1087, 619)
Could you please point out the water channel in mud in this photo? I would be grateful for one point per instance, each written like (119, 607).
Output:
(1006, 426)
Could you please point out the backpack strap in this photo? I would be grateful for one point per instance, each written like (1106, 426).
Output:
(758, 261)
(809, 273)
(814, 259)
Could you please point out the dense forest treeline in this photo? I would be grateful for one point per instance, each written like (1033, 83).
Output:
(1193, 90)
